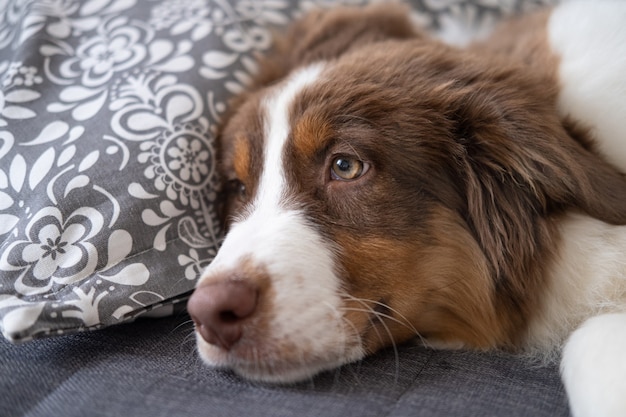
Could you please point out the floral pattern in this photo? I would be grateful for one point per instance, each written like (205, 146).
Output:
(55, 246)
(108, 110)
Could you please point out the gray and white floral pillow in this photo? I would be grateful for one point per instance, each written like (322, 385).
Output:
(108, 110)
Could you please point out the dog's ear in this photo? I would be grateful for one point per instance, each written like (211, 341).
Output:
(522, 164)
(323, 35)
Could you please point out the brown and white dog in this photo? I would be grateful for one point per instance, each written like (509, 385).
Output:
(385, 185)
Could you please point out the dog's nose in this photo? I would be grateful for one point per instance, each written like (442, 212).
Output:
(219, 309)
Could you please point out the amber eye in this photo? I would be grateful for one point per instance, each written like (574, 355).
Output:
(345, 168)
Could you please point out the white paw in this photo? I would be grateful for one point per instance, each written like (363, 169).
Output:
(594, 367)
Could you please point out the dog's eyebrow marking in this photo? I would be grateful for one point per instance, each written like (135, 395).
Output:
(242, 157)
(276, 131)
(310, 134)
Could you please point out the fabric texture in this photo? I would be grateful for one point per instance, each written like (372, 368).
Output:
(108, 111)
(149, 368)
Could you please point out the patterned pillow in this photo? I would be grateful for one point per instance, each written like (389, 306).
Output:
(108, 109)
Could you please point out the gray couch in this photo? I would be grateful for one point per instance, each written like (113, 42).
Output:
(105, 218)
(149, 368)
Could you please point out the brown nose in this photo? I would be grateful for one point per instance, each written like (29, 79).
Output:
(219, 309)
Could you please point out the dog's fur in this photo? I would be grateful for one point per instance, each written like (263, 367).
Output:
(486, 214)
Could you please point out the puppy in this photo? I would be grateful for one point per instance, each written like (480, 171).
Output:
(383, 185)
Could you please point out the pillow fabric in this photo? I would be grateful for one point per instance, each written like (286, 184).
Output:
(108, 109)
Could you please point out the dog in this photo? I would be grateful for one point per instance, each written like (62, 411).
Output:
(383, 186)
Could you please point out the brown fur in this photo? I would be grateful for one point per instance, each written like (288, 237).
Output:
(523, 41)
(321, 36)
(471, 168)
(240, 157)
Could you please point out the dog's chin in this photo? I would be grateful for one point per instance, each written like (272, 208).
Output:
(259, 366)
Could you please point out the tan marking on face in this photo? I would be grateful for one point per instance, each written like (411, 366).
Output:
(241, 158)
(311, 133)
(440, 289)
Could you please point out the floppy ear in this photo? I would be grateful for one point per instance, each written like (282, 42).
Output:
(322, 35)
(522, 164)
(601, 188)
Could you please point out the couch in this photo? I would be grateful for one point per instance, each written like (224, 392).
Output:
(149, 368)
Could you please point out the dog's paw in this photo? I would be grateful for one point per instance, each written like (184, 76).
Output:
(594, 367)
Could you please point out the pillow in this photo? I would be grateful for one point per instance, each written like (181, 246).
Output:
(108, 109)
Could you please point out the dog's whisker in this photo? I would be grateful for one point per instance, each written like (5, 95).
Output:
(402, 320)
(350, 324)
(394, 346)
(370, 318)
(381, 316)
(181, 325)
(339, 316)
(189, 339)
(357, 334)
(448, 285)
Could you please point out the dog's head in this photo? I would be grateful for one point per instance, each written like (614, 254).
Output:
(384, 186)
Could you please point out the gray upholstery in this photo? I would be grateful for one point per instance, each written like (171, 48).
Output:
(149, 368)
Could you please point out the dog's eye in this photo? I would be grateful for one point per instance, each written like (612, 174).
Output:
(345, 168)
(236, 188)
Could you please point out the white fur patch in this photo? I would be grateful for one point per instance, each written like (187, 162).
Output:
(587, 277)
(590, 38)
(594, 368)
(277, 129)
(306, 332)
(587, 285)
